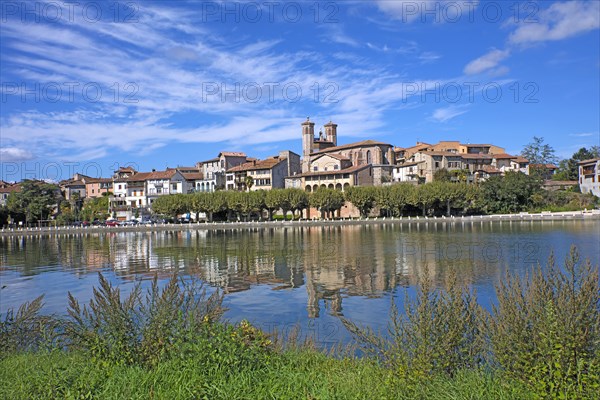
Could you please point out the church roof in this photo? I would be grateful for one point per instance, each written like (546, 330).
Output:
(364, 143)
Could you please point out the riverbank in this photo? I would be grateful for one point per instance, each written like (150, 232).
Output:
(253, 225)
(173, 343)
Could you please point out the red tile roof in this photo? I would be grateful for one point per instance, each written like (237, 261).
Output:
(503, 156)
(591, 160)
(193, 176)
(267, 163)
(337, 156)
(544, 166)
(521, 160)
(363, 143)
(11, 188)
(477, 156)
(440, 153)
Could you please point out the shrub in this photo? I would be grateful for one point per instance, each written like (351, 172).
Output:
(546, 328)
(440, 332)
(136, 330)
(27, 330)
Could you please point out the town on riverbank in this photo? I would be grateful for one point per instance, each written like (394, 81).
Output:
(361, 179)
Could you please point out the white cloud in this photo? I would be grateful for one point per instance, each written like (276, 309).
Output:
(14, 154)
(584, 134)
(446, 114)
(169, 71)
(486, 62)
(428, 57)
(427, 10)
(560, 21)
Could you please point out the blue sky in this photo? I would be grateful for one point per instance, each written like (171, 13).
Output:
(89, 86)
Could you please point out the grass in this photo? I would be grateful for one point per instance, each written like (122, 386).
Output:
(294, 374)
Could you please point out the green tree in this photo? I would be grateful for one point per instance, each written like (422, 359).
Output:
(249, 182)
(297, 200)
(248, 203)
(362, 198)
(327, 201)
(568, 169)
(217, 202)
(424, 197)
(538, 152)
(3, 215)
(274, 201)
(442, 175)
(199, 203)
(35, 200)
(510, 193)
(172, 205)
(96, 208)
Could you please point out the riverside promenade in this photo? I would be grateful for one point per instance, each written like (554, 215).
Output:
(254, 225)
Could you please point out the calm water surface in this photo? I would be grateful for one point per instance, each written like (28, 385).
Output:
(286, 277)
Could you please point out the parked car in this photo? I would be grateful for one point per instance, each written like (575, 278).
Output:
(130, 222)
(112, 222)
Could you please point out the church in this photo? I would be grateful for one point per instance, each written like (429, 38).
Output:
(325, 164)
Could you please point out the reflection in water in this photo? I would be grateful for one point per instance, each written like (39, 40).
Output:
(331, 264)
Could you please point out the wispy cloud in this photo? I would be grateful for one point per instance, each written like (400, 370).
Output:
(423, 10)
(561, 20)
(448, 113)
(584, 134)
(486, 62)
(171, 74)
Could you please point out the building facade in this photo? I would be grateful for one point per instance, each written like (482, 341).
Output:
(266, 174)
(589, 176)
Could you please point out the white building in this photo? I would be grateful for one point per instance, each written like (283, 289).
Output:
(407, 172)
(214, 170)
(589, 176)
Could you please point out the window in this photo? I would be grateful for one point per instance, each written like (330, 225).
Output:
(437, 164)
(119, 187)
(92, 191)
(174, 187)
(222, 163)
(336, 167)
(369, 159)
(315, 168)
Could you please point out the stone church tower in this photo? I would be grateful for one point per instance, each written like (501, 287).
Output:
(311, 144)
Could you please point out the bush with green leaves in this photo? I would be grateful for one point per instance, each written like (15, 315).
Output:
(440, 331)
(545, 328)
(140, 329)
(27, 330)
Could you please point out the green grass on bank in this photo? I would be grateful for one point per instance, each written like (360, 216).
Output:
(304, 374)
